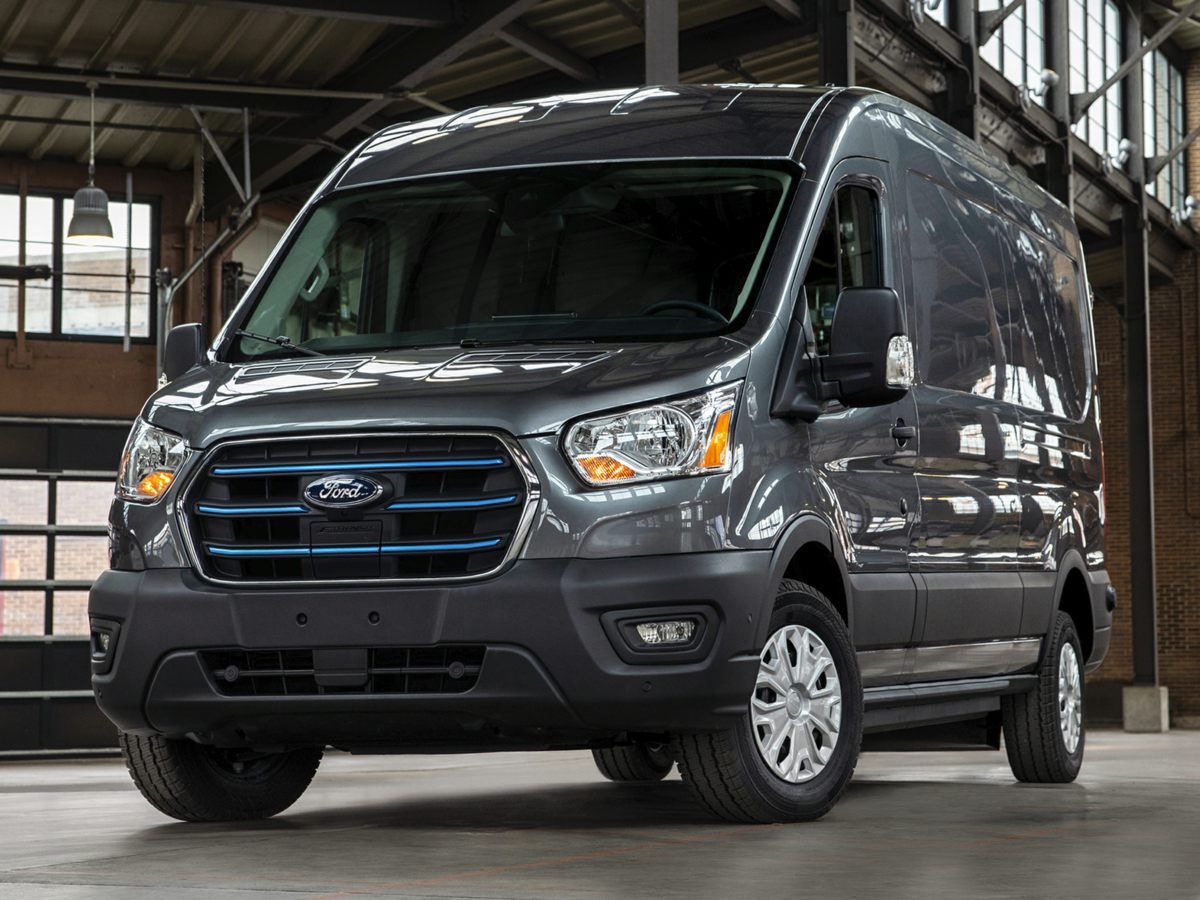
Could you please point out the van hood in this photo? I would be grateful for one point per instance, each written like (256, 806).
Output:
(523, 390)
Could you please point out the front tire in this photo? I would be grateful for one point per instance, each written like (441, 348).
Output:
(195, 783)
(1043, 729)
(792, 754)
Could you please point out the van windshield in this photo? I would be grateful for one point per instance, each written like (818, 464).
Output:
(572, 253)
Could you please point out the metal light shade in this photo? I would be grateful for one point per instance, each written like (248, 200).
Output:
(90, 218)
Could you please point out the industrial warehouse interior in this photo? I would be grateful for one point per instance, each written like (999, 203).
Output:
(599, 448)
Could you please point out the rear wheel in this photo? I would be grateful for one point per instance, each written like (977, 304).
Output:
(640, 761)
(1043, 729)
(196, 783)
(793, 753)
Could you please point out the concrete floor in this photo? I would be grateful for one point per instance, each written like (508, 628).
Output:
(546, 826)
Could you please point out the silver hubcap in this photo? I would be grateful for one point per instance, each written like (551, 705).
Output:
(796, 708)
(1070, 698)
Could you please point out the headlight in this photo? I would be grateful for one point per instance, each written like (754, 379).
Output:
(680, 437)
(148, 465)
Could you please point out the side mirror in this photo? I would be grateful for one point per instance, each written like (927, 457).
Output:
(184, 349)
(870, 361)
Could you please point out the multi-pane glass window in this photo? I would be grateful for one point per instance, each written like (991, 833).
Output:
(1094, 28)
(86, 295)
(1163, 126)
(1018, 48)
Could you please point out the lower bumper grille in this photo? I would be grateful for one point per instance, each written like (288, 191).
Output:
(448, 669)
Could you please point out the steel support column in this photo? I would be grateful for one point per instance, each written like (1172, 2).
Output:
(960, 101)
(835, 34)
(1060, 162)
(662, 41)
(1139, 422)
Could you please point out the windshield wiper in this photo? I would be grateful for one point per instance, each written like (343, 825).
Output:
(281, 341)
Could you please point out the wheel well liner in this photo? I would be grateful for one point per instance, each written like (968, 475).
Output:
(1075, 600)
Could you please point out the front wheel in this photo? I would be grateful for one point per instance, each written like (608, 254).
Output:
(195, 783)
(1043, 729)
(794, 751)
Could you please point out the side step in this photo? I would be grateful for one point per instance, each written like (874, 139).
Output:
(893, 707)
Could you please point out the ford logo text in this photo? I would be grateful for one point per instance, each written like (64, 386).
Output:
(338, 491)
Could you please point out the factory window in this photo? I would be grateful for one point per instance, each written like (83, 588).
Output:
(1162, 88)
(1094, 28)
(1018, 48)
(85, 296)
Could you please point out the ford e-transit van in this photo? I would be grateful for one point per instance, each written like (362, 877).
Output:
(732, 428)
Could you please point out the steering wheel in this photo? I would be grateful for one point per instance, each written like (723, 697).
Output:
(689, 305)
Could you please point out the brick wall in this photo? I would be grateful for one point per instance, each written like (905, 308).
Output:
(24, 557)
(1175, 383)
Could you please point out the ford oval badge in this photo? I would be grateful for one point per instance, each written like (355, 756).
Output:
(340, 491)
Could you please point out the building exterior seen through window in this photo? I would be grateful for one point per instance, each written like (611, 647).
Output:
(86, 296)
(1163, 126)
(1018, 48)
(1094, 46)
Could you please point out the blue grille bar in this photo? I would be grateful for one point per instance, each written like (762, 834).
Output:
(445, 547)
(248, 510)
(364, 466)
(453, 504)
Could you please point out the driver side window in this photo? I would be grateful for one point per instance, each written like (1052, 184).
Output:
(848, 254)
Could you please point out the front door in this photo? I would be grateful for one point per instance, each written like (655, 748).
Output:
(864, 457)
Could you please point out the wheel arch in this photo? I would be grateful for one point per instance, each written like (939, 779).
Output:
(808, 552)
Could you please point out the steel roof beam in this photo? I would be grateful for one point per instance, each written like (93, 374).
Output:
(403, 64)
(552, 53)
(146, 90)
(412, 13)
(786, 8)
(989, 22)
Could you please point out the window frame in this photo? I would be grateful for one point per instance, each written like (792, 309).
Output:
(58, 199)
(877, 185)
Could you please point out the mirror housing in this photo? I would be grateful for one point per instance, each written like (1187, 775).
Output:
(184, 349)
(870, 361)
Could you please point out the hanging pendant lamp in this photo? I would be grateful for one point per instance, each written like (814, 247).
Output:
(89, 219)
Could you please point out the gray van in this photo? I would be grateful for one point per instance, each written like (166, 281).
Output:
(734, 428)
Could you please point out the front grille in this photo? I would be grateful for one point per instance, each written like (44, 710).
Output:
(445, 669)
(450, 507)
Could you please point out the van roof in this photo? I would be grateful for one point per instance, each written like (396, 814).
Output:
(720, 121)
(692, 121)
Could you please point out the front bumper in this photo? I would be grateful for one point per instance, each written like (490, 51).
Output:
(552, 674)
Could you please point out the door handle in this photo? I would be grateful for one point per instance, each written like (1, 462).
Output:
(902, 433)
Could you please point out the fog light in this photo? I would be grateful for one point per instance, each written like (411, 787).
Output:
(673, 631)
(104, 643)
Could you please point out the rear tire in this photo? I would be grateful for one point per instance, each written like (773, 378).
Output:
(1043, 729)
(195, 783)
(793, 752)
(633, 763)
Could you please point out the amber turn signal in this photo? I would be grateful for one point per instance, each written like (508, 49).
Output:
(602, 469)
(156, 483)
(718, 445)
